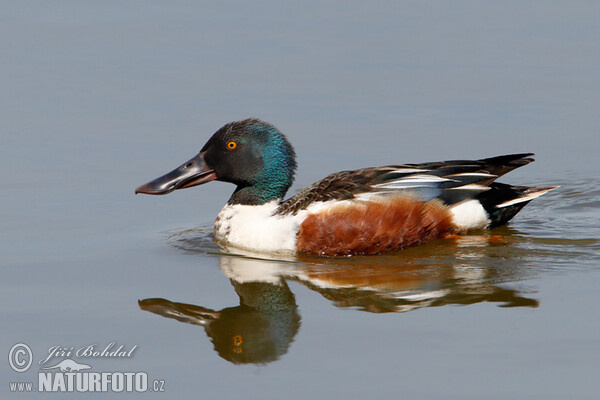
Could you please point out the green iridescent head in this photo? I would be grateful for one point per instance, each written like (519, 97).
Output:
(252, 154)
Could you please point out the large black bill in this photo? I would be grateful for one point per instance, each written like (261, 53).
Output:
(191, 173)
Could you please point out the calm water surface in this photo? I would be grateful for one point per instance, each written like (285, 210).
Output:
(98, 98)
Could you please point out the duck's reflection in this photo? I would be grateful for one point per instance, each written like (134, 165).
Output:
(259, 330)
(262, 327)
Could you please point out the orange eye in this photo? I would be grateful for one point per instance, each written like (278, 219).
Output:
(238, 340)
(231, 145)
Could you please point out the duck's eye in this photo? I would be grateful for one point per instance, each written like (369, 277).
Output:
(231, 145)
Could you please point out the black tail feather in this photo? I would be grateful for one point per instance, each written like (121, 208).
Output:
(502, 202)
(501, 165)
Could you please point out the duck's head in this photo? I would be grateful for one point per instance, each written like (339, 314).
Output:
(251, 154)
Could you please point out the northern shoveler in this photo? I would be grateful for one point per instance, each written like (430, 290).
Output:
(366, 211)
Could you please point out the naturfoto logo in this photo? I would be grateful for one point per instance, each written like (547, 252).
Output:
(68, 375)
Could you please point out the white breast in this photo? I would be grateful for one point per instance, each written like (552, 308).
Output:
(255, 228)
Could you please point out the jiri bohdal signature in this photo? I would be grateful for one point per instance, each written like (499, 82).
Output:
(91, 351)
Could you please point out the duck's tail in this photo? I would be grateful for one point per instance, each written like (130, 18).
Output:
(502, 202)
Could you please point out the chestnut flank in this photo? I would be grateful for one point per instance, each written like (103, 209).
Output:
(372, 227)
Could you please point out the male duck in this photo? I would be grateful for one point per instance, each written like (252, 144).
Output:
(367, 211)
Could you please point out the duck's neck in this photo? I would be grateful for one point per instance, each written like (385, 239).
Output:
(258, 194)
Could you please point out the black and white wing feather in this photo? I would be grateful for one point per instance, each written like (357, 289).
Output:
(450, 181)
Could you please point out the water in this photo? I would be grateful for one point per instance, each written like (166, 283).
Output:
(98, 98)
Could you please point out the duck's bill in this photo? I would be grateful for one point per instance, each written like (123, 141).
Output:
(188, 313)
(191, 173)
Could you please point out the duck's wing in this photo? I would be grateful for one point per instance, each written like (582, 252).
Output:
(450, 181)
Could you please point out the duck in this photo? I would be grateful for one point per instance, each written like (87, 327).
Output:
(366, 211)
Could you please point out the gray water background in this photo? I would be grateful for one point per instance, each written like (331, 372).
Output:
(99, 97)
